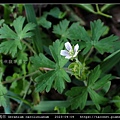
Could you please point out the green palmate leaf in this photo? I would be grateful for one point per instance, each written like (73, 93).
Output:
(3, 92)
(23, 32)
(78, 32)
(53, 78)
(6, 32)
(96, 98)
(61, 28)
(80, 101)
(64, 75)
(18, 27)
(59, 84)
(96, 83)
(10, 47)
(42, 61)
(94, 75)
(27, 31)
(14, 43)
(55, 50)
(79, 97)
(61, 77)
(106, 44)
(43, 80)
(74, 91)
(56, 75)
(97, 29)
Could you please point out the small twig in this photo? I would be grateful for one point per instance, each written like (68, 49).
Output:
(45, 69)
(100, 13)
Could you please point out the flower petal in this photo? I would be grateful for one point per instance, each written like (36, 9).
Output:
(68, 46)
(76, 48)
(75, 54)
(68, 57)
(64, 53)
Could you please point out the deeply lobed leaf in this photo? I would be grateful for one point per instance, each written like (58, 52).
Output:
(78, 97)
(56, 75)
(42, 61)
(53, 78)
(6, 32)
(78, 32)
(61, 28)
(97, 29)
(106, 44)
(10, 47)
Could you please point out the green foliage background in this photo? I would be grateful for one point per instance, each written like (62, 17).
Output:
(35, 78)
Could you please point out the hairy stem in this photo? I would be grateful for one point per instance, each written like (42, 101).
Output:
(28, 46)
(89, 53)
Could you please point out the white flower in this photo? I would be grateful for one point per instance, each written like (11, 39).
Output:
(70, 52)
